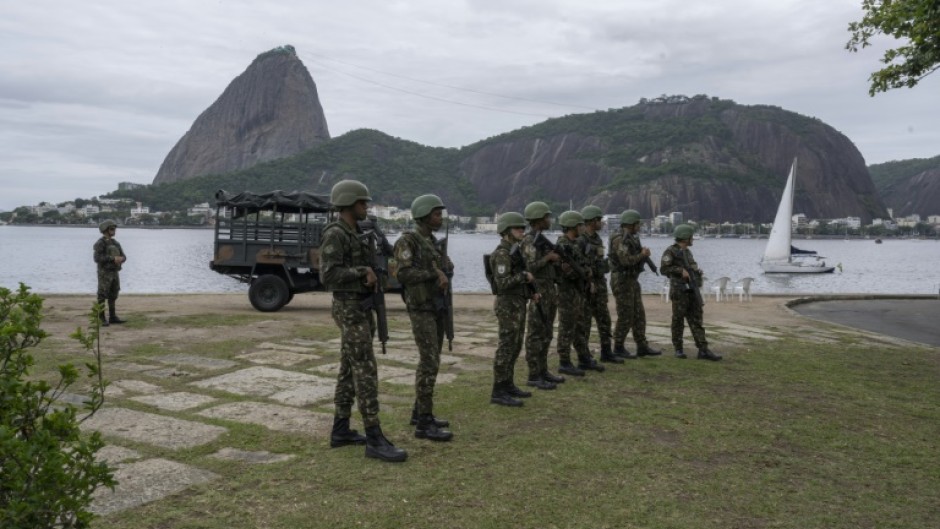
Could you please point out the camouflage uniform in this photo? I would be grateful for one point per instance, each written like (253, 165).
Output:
(109, 281)
(596, 304)
(345, 254)
(511, 298)
(539, 335)
(418, 260)
(684, 306)
(626, 260)
(572, 311)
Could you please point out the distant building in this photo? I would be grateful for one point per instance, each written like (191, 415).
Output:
(127, 186)
(203, 209)
(675, 218)
(933, 219)
(140, 210)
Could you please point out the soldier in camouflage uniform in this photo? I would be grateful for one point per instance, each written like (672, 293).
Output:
(346, 261)
(627, 256)
(596, 303)
(423, 273)
(109, 257)
(541, 263)
(514, 288)
(676, 263)
(575, 284)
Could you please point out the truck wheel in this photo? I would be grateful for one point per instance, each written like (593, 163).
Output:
(268, 293)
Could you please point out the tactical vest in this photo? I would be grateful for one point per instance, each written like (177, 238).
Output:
(426, 257)
(358, 250)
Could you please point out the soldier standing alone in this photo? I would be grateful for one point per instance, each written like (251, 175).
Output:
(627, 256)
(514, 288)
(423, 272)
(346, 260)
(677, 263)
(109, 257)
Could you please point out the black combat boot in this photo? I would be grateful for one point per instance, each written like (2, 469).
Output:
(343, 436)
(706, 354)
(569, 369)
(440, 423)
(502, 397)
(111, 313)
(103, 319)
(588, 363)
(515, 391)
(426, 429)
(608, 356)
(378, 447)
(622, 352)
(646, 350)
(540, 383)
(554, 379)
(680, 354)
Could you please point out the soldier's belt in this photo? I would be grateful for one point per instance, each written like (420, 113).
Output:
(350, 296)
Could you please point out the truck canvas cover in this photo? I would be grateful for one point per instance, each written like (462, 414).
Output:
(280, 201)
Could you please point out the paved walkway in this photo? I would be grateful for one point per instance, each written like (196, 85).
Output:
(915, 320)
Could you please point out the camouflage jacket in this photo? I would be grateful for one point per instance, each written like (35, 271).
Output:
(106, 249)
(593, 248)
(345, 254)
(626, 254)
(672, 264)
(535, 261)
(571, 279)
(508, 267)
(418, 259)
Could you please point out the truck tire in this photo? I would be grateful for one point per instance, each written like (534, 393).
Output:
(268, 293)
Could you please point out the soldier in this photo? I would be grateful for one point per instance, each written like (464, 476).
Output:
(514, 288)
(677, 263)
(346, 260)
(575, 285)
(596, 303)
(423, 273)
(627, 257)
(109, 256)
(541, 262)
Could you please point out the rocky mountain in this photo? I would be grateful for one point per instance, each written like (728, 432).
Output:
(268, 112)
(909, 186)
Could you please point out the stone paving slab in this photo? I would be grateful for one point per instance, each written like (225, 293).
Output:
(114, 454)
(293, 348)
(146, 481)
(135, 386)
(273, 417)
(307, 394)
(132, 367)
(258, 381)
(176, 401)
(747, 328)
(278, 358)
(197, 362)
(262, 457)
(169, 372)
(149, 428)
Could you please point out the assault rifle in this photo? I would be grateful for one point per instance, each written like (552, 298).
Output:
(692, 285)
(445, 302)
(530, 289)
(543, 245)
(376, 301)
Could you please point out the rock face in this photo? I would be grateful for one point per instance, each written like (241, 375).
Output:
(710, 159)
(918, 194)
(268, 112)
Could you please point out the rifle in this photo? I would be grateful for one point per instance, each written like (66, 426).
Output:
(692, 285)
(445, 302)
(544, 245)
(530, 290)
(376, 301)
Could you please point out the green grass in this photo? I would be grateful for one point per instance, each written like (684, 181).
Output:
(789, 435)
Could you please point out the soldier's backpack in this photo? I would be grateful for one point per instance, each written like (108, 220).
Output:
(488, 271)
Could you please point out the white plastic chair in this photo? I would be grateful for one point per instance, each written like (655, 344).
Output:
(721, 288)
(664, 293)
(743, 288)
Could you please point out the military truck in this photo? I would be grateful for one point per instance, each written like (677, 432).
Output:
(271, 242)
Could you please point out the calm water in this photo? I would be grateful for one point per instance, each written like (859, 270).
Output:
(59, 260)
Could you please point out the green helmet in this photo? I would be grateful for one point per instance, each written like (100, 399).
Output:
(683, 232)
(591, 213)
(570, 219)
(508, 220)
(424, 205)
(348, 192)
(103, 227)
(536, 210)
(630, 216)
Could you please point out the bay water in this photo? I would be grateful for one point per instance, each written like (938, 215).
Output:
(58, 260)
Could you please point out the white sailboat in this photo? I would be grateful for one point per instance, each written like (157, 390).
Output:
(778, 256)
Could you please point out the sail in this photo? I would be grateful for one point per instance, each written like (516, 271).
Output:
(778, 244)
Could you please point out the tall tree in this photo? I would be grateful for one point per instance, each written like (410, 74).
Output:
(914, 22)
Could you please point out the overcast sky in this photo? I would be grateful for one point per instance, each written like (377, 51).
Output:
(97, 92)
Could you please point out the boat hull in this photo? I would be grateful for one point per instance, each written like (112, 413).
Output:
(795, 268)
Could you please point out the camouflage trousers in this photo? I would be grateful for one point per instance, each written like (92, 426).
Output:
(540, 328)
(510, 315)
(572, 320)
(597, 310)
(631, 316)
(685, 308)
(358, 373)
(109, 284)
(428, 329)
